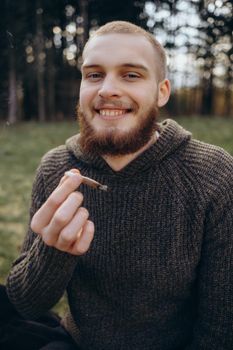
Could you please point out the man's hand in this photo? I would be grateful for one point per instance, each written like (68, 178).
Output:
(61, 221)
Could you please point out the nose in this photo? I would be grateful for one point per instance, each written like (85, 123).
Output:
(109, 88)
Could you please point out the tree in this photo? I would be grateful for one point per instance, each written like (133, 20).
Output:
(40, 61)
(13, 32)
(206, 40)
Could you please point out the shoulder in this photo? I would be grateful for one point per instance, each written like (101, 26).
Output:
(58, 154)
(206, 158)
(210, 166)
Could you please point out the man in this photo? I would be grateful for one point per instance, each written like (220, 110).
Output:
(148, 263)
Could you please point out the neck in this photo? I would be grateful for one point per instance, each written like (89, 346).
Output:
(117, 163)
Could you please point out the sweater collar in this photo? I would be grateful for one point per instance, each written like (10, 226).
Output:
(172, 136)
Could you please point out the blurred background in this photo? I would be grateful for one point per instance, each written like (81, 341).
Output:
(41, 43)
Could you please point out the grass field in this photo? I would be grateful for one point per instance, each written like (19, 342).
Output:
(21, 147)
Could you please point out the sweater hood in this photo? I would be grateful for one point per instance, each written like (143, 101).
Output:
(172, 136)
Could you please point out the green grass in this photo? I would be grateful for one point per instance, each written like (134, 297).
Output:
(218, 131)
(22, 146)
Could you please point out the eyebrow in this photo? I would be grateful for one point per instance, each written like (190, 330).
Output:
(124, 65)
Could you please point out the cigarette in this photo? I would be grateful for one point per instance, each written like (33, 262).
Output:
(89, 182)
(92, 183)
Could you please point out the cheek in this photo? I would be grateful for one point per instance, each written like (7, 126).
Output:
(152, 98)
(146, 101)
(146, 96)
(85, 97)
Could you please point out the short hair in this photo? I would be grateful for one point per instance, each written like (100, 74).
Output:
(123, 27)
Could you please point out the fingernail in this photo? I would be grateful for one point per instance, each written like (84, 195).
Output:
(70, 174)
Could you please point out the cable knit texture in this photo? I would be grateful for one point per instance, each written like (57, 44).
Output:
(159, 272)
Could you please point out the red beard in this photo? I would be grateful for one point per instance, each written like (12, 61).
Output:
(112, 144)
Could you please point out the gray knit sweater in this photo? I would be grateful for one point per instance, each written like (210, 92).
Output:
(159, 273)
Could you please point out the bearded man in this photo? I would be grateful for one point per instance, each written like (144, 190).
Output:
(148, 263)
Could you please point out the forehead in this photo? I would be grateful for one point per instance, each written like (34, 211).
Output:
(117, 49)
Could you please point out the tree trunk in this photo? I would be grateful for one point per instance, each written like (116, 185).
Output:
(40, 58)
(81, 39)
(228, 101)
(12, 80)
(51, 84)
(84, 15)
(228, 93)
(208, 94)
(13, 103)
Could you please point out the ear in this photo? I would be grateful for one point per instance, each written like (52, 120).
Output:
(164, 90)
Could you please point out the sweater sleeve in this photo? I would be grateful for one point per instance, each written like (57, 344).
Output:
(214, 326)
(39, 277)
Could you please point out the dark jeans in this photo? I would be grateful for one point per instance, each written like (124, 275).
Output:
(45, 333)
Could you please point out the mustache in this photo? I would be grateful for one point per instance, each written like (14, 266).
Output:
(106, 103)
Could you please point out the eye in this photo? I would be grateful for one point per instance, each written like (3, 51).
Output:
(131, 76)
(94, 76)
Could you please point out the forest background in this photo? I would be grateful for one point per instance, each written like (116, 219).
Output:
(41, 43)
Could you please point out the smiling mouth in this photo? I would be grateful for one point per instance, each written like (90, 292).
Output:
(105, 112)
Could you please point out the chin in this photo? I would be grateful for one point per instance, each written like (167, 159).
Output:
(116, 138)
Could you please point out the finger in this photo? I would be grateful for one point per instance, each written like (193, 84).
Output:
(61, 218)
(83, 243)
(75, 171)
(62, 180)
(70, 232)
(43, 216)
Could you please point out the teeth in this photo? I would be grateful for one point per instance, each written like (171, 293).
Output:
(111, 112)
